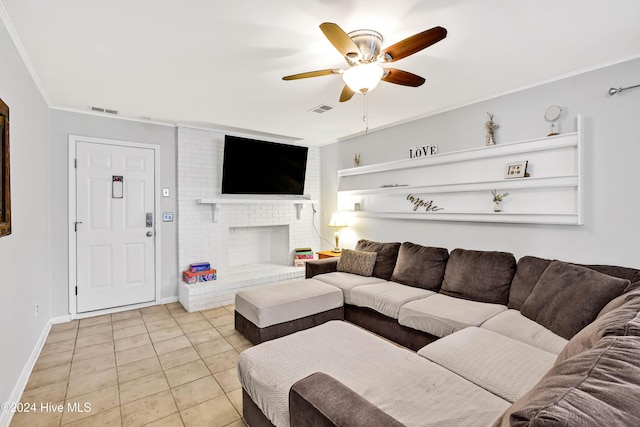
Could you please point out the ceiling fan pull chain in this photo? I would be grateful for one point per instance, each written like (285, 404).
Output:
(365, 118)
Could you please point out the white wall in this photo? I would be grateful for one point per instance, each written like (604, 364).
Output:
(611, 183)
(65, 123)
(25, 263)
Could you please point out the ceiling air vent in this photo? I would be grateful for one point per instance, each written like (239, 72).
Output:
(322, 108)
(103, 110)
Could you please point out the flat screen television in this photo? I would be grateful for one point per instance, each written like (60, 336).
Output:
(251, 166)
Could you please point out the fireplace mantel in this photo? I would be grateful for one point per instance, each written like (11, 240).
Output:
(215, 202)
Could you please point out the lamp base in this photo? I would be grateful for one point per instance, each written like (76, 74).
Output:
(336, 250)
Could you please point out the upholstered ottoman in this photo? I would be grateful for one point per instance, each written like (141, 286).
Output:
(270, 312)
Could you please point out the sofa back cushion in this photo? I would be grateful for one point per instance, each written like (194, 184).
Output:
(387, 253)
(530, 269)
(420, 266)
(618, 321)
(568, 297)
(483, 276)
(631, 274)
(357, 262)
(599, 387)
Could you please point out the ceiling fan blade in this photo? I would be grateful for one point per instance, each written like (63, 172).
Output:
(340, 40)
(413, 44)
(308, 74)
(346, 94)
(403, 78)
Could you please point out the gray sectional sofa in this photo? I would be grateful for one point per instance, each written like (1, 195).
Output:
(492, 341)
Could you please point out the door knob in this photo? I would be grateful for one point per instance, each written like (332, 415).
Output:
(149, 233)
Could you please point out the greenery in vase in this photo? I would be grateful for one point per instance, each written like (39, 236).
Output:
(497, 197)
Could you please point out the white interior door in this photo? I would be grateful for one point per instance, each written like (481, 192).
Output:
(115, 230)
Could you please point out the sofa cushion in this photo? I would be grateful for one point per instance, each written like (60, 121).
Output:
(553, 301)
(619, 301)
(406, 386)
(506, 367)
(386, 297)
(511, 323)
(531, 268)
(441, 315)
(598, 387)
(387, 253)
(618, 321)
(346, 282)
(357, 262)
(482, 276)
(420, 266)
(528, 272)
(631, 274)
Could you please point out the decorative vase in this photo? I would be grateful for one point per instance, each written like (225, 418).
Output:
(497, 206)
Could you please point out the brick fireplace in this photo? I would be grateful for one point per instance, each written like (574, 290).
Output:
(251, 242)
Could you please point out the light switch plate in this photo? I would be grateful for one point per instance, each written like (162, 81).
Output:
(167, 216)
(165, 192)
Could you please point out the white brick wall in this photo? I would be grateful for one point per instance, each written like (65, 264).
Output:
(200, 154)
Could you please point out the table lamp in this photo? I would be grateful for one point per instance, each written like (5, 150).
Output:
(338, 221)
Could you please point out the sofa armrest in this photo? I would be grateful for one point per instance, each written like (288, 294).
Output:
(319, 400)
(320, 266)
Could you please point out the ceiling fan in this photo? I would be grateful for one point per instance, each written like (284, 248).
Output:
(361, 50)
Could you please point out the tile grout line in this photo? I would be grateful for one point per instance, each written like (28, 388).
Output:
(183, 327)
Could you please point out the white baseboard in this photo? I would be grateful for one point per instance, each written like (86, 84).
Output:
(21, 383)
(169, 300)
(60, 319)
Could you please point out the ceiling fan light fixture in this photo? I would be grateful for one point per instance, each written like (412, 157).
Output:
(363, 78)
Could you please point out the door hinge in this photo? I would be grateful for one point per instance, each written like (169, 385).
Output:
(76, 290)
(75, 163)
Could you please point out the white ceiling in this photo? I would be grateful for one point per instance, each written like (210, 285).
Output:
(219, 64)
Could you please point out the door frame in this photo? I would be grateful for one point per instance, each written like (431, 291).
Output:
(73, 279)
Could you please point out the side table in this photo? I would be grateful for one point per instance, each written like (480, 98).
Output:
(328, 254)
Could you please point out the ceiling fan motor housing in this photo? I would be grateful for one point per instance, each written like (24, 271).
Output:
(369, 42)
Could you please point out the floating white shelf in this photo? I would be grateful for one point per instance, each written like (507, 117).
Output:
(215, 203)
(459, 184)
(506, 217)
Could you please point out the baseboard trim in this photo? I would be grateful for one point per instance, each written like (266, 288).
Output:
(124, 308)
(169, 300)
(21, 383)
(60, 319)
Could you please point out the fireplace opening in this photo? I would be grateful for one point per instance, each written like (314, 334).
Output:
(259, 245)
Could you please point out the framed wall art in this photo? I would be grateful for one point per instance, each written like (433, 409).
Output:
(5, 175)
(516, 170)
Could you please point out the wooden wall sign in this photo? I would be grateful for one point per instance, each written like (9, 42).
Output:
(419, 203)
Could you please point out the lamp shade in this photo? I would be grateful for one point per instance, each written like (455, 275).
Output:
(363, 78)
(338, 220)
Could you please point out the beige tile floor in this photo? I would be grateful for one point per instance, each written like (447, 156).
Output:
(156, 366)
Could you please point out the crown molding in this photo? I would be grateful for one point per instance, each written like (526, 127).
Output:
(4, 17)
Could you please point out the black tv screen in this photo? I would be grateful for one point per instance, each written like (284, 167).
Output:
(251, 166)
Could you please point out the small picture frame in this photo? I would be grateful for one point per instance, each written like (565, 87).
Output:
(516, 170)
